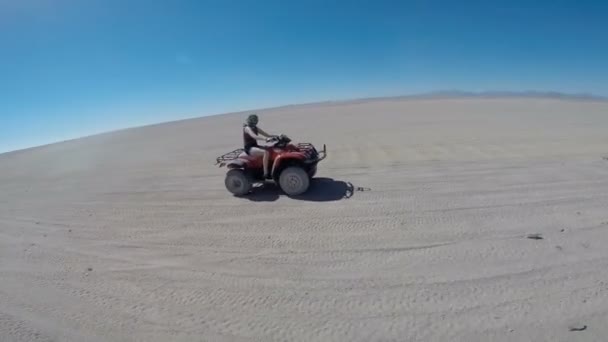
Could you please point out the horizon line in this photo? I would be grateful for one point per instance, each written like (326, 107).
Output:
(438, 94)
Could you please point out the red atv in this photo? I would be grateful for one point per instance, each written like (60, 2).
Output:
(291, 166)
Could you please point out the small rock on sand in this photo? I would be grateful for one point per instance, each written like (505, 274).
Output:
(577, 327)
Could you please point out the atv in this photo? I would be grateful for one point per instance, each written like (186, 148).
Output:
(291, 166)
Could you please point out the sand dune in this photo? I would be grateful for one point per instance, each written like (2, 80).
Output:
(131, 236)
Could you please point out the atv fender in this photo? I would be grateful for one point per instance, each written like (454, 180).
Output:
(236, 164)
(284, 161)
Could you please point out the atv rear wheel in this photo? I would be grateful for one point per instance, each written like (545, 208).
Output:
(294, 181)
(238, 182)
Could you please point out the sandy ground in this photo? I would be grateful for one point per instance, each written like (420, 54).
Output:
(131, 236)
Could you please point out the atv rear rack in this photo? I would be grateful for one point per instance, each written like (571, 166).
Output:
(221, 160)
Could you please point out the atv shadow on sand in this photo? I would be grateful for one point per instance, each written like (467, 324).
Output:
(321, 190)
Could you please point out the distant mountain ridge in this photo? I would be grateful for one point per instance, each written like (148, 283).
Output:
(460, 94)
(528, 93)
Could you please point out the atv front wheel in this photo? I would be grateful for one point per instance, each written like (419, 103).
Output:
(237, 182)
(294, 181)
(312, 172)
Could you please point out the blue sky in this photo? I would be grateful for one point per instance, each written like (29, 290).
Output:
(70, 68)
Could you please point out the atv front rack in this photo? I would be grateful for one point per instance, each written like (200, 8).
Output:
(315, 156)
(306, 146)
(221, 160)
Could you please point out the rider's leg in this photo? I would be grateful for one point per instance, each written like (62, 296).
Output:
(266, 159)
(256, 151)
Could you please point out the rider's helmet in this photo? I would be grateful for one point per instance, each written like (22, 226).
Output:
(252, 120)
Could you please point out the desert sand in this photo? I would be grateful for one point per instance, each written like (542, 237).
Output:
(415, 230)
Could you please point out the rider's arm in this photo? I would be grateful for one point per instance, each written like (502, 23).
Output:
(264, 133)
(255, 136)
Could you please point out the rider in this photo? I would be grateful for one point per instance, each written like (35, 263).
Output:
(251, 134)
